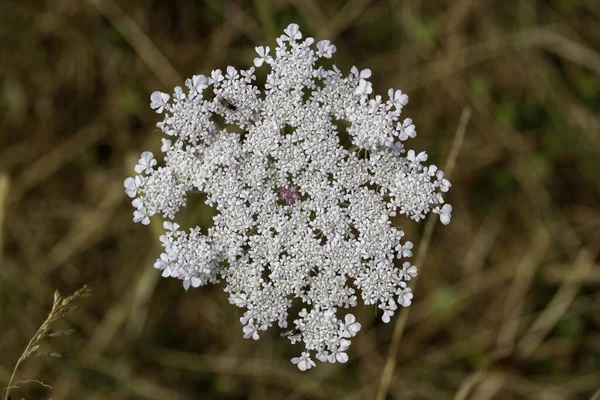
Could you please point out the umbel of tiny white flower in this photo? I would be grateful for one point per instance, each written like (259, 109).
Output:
(301, 219)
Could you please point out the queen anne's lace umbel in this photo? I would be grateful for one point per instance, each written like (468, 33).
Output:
(302, 220)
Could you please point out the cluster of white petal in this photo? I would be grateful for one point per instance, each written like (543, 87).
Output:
(302, 220)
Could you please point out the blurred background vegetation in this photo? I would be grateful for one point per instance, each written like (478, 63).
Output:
(508, 302)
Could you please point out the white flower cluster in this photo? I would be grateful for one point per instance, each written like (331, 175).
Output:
(303, 221)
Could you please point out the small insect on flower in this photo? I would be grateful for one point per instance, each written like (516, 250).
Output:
(226, 103)
(293, 335)
(291, 332)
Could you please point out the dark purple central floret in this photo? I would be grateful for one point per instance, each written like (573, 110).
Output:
(289, 194)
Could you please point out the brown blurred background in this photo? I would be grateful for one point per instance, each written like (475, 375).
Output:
(508, 301)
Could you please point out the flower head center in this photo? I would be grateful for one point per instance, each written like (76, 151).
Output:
(289, 194)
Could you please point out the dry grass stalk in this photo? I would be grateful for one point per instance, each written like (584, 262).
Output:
(60, 308)
(390, 363)
(4, 186)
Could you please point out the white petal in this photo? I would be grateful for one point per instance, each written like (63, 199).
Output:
(355, 327)
(166, 145)
(293, 32)
(385, 317)
(344, 344)
(302, 365)
(341, 357)
(137, 203)
(445, 219)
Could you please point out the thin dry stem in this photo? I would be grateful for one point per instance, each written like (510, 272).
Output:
(468, 386)
(143, 45)
(60, 308)
(390, 364)
(557, 307)
(4, 185)
(520, 285)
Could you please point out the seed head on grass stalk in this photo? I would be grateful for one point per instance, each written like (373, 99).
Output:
(303, 218)
(61, 307)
